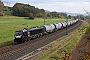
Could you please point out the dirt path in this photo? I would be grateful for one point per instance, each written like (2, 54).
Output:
(80, 50)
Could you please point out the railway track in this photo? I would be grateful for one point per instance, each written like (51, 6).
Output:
(13, 52)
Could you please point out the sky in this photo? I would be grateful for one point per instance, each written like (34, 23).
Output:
(71, 6)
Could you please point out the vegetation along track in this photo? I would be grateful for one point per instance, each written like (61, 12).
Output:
(15, 51)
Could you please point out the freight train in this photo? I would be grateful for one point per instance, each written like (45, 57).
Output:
(35, 32)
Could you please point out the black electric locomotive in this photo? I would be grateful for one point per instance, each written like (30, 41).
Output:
(28, 34)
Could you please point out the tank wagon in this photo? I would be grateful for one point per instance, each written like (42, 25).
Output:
(58, 26)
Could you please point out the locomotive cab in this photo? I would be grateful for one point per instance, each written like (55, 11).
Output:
(20, 36)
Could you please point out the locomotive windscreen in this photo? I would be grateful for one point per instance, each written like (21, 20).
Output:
(17, 33)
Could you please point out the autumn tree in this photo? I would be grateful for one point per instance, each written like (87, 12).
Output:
(1, 8)
(54, 14)
(69, 16)
(49, 15)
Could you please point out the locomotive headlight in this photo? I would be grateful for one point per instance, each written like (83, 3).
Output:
(18, 36)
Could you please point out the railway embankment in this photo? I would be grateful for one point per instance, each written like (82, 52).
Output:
(62, 48)
(82, 50)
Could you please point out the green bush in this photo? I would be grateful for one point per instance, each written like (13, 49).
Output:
(1, 14)
(31, 16)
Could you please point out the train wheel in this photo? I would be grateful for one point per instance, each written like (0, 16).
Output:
(27, 40)
(18, 42)
(22, 41)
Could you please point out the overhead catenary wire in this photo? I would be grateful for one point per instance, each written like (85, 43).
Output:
(86, 11)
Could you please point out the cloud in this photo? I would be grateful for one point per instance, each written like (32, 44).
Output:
(74, 7)
(58, 5)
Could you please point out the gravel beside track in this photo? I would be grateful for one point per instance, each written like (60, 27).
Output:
(13, 52)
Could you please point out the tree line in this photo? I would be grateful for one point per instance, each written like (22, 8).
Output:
(26, 10)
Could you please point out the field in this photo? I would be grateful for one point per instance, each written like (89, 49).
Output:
(9, 24)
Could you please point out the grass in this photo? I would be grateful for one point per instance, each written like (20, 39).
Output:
(9, 24)
(57, 49)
